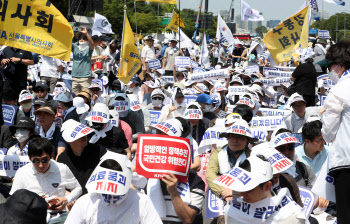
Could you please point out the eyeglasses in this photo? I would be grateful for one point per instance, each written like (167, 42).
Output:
(299, 106)
(320, 141)
(283, 148)
(37, 161)
(95, 89)
(157, 98)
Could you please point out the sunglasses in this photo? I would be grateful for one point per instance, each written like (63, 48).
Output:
(82, 37)
(37, 161)
(95, 89)
(40, 90)
(157, 98)
(283, 148)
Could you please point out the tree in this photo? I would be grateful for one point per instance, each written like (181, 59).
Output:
(261, 30)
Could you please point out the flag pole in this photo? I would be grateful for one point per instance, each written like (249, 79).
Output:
(121, 49)
(179, 25)
(135, 16)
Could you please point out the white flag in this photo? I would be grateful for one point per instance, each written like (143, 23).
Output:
(185, 41)
(223, 33)
(338, 2)
(249, 14)
(101, 25)
(205, 53)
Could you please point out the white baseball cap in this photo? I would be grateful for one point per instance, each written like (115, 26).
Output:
(98, 114)
(246, 101)
(73, 130)
(296, 97)
(24, 95)
(241, 180)
(108, 181)
(158, 92)
(193, 113)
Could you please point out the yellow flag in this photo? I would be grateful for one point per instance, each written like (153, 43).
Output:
(174, 23)
(131, 60)
(138, 37)
(289, 34)
(35, 26)
(160, 1)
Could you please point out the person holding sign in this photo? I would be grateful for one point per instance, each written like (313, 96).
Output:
(148, 53)
(169, 57)
(222, 160)
(48, 178)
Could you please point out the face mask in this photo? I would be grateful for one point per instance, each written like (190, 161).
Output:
(333, 76)
(22, 135)
(124, 113)
(114, 199)
(157, 103)
(83, 45)
(207, 108)
(27, 106)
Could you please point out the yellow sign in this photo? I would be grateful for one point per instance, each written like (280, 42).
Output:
(36, 26)
(174, 23)
(131, 59)
(289, 34)
(160, 1)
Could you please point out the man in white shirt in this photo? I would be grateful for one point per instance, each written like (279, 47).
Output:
(169, 57)
(47, 178)
(148, 53)
(50, 70)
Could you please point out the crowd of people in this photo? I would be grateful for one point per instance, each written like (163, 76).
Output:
(77, 123)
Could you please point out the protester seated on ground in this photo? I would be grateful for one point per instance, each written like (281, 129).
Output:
(85, 94)
(24, 207)
(144, 89)
(80, 156)
(123, 205)
(147, 98)
(69, 111)
(257, 193)
(206, 103)
(41, 90)
(174, 109)
(25, 101)
(96, 93)
(23, 131)
(179, 209)
(82, 108)
(158, 98)
(133, 87)
(221, 90)
(245, 111)
(194, 115)
(313, 152)
(10, 97)
(6, 139)
(49, 130)
(222, 160)
(48, 178)
(216, 109)
(106, 133)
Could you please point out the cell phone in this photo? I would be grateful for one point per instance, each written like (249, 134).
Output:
(77, 28)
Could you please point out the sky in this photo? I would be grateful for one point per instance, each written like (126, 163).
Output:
(271, 9)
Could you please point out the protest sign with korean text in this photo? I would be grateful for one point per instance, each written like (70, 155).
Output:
(292, 32)
(154, 64)
(209, 75)
(323, 34)
(182, 61)
(9, 114)
(190, 98)
(237, 90)
(215, 206)
(155, 114)
(9, 164)
(266, 70)
(276, 81)
(35, 26)
(266, 123)
(308, 198)
(278, 74)
(274, 112)
(3, 151)
(159, 154)
(169, 79)
(252, 69)
(134, 102)
(285, 68)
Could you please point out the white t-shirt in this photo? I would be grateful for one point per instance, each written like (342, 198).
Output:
(49, 67)
(136, 209)
(148, 53)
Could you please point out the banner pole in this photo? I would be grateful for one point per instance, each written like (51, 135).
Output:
(179, 25)
(121, 49)
(135, 17)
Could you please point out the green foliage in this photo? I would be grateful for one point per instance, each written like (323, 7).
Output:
(331, 25)
(261, 30)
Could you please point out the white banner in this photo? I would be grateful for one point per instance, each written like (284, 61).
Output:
(204, 56)
(276, 81)
(181, 61)
(266, 123)
(209, 75)
(154, 64)
(274, 112)
(281, 68)
(9, 164)
(278, 74)
(259, 133)
(252, 69)
(237, 90)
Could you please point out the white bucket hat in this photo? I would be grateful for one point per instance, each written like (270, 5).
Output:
(241, 127)
(80, 106)
(233, 118)
(284, 138)
(171, 127)
(73, 130)
(246, 101)
(99, 114)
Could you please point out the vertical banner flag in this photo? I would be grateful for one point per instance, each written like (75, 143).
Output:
(174, 23)
(338, 2)
(35, 26)
(289, 34)
(204, 56)
(160, 1)
(101, 25)
(249, 14)
(314, 10)
(131, 60)
(223, 33)
(159, 154)
(185, 41)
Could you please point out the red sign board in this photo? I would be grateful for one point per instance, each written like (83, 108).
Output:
(159, 154)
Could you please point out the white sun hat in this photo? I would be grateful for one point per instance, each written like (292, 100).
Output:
(80, 105)
(73, 130)
(98, 114)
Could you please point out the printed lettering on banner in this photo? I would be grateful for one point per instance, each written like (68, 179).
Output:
(190, 98)
(155, 114)
(237, 90)
(259, 134)
(323, 34)
(322, 99)
(266, 70)
(168, 79)
(194, 64)
(106, 181)
(134, 102)
(278, 74)
(234, 175)
(308, 198)
(204, 163)
(276, 81)
(266, 123)
(154, 64)
(158, 154)
(215, 206)
(181, 61)
(274, 112)
(252, 69)
(9, 164)
(3, 151)
(9, 114)
(209, 75)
